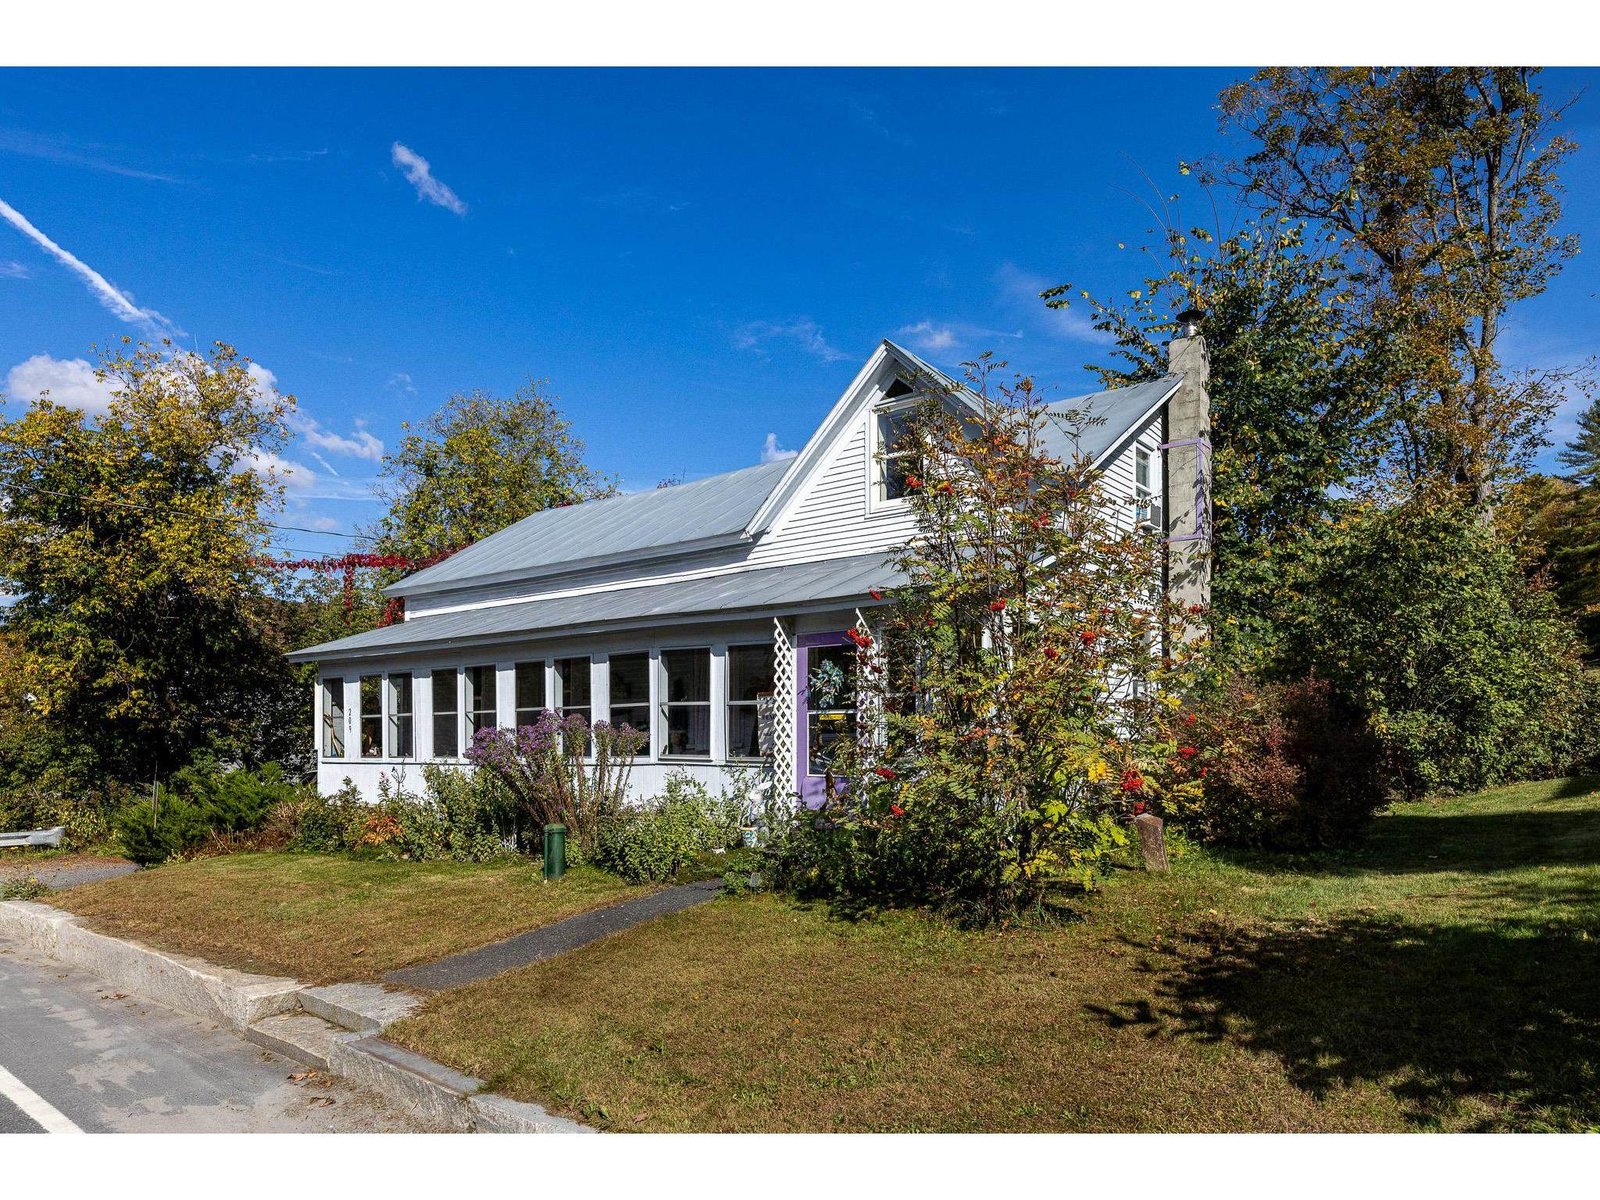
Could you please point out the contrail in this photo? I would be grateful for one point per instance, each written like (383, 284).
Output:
(114, 299)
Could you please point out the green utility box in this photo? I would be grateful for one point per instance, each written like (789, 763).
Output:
(555, 851)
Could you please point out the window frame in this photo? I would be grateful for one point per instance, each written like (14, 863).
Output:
(878, 458)
(645, 706)
(454, 713)
(558, 699)
(851, 712)
(540, 671)
(666, 705)
(395, 685)
(333, 719)
(472, 694)
(729, 704)
(374, 718)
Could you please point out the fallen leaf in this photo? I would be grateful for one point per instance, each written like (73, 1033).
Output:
(320, 1101)
(299, 1075)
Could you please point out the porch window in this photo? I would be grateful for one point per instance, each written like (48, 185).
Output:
(446, 732)
(482, 707)
(630, 691)
(686, 709)
(372, 716)
(573, 694)
(750, 699)
(333, 718)
(530, 692)
(830, 706)
(402, 721)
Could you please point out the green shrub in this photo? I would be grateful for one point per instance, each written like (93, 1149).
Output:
(463, 816)
(1424, 623)
(203, 805)
(654, 842)
(1286, 767)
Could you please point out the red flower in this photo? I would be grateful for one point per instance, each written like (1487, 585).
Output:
(1187, 751)
(1052, 653)
(913, 482)
(859, 638)
(997, 605)
(1132, 781)
(1086, 637)
(1138, 807)
(875, 593)
(896, 810)
(1196, 609)
(884, 772)
(1203, 771)
(1188, 718)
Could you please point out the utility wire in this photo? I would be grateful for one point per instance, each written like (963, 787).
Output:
(365, 537)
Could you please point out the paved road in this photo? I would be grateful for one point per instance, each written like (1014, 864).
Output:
(75, 1052)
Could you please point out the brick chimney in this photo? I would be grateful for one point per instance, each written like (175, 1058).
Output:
(1187, 471)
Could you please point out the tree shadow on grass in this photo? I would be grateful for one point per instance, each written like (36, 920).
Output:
(1406, 843)
(1466, 1026)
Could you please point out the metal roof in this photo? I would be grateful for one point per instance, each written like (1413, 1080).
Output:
(701, 514)
(738, 592)
(1092, 425)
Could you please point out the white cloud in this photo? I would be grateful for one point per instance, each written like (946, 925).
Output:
(925, 335)
(70, 381)
(399, 381)
(359, 444)
(772, 452)
(420, 176)
(1019, 291)
(296, 477)
(116, 301)
(11, 269)
(757, 335)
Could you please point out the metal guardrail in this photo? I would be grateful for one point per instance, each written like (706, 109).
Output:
(34, 837)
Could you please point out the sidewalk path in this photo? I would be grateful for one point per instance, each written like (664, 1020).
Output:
(58, 873)
(551, 940)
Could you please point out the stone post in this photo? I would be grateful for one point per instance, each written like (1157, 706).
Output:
(1152, 841)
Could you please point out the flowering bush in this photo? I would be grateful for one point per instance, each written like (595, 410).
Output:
(549, 776)
(1014, 700)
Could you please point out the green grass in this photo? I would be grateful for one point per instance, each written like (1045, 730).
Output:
(326, 919)
(1444, 976)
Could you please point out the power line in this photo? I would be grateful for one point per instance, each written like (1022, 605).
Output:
(43, 491)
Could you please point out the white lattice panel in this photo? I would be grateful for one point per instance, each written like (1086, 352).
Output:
(785, 656)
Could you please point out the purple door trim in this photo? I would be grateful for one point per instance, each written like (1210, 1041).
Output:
(810, 787)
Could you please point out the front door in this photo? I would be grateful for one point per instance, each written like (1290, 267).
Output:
(825, 709)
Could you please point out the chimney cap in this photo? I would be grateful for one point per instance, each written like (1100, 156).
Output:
(1189, 321)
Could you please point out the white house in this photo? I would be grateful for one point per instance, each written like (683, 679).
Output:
(698, 611)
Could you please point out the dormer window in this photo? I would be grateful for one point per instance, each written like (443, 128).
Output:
(895, 447)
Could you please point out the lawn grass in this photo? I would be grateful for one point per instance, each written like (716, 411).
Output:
(1444, 976)
(327, 919)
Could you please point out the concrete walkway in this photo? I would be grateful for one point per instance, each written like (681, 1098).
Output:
(539, 944)
(64, 872)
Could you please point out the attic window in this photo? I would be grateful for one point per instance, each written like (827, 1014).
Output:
(896, 449)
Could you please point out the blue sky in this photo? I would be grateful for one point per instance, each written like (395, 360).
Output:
(696, 261)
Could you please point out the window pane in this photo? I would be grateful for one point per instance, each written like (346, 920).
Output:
(744, 731)
(749, 672)
(750, 701)
(830, 705)
(401, 721)
(530, 692)
(333, 719)
(572, 682)
(688, 730)
(630, 691)
(688, 676)
(1141, 468)
(371, 716)
(445, 733)
(482, 712)
(897, 450)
